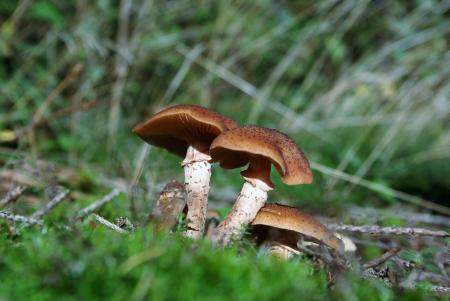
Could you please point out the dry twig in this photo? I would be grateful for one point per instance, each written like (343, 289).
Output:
(37, 117)
(384, 275)
(72, 76)
(437, 289)
(108, 224)
(19, 218)
(377, 230)
(137, 174)
(97, 204)
(11, 195)
(85, 106)
(440, 290)
(121, 65)
(381, 259)
(50, 205)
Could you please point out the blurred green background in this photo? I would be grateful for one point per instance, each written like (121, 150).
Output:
(362, 86)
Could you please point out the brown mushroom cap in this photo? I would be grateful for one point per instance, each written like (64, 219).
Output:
(290, 218)
(179, 126)
(237, 147)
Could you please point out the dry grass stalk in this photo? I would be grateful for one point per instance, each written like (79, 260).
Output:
(377, 230)
(108, 224)
(50, 205)
(19, 218)
(12, 195)
(99, 203)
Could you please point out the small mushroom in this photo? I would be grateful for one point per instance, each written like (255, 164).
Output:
(169, 206)
(187, 131)
(283, 226)
(260, 148)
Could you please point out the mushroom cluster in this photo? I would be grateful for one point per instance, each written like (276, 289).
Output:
(202, 137)
(259, 148)
(188, 131)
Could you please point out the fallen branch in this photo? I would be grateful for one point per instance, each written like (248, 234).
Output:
(97, 204)
(108, 224)
(440, 290)
(437, 289)
(19, 218)
(381, 259)
(50, 205)
(11, 195)
(377, 230)
(383, 275)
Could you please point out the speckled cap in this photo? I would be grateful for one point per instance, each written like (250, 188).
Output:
(235, 148)
(290, 218)
(179, 126)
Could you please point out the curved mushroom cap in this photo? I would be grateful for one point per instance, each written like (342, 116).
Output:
(235, 148)
(290, 218)
(177, 127)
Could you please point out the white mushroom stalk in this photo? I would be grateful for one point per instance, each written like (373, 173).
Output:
(197, 173)
(252, 198)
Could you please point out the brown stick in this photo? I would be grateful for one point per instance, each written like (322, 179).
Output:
(74, 73)
(84, 106)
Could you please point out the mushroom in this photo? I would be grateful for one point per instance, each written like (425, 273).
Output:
(187, 131)
(258, 147)
(169, 206)
(283, 226)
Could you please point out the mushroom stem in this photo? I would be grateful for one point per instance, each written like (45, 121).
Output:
(251, 199)
(197, 172)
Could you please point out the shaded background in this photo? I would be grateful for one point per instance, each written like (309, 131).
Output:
(362, 86)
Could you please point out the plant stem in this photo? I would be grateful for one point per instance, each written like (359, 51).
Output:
(250, 201)
(197, 172)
